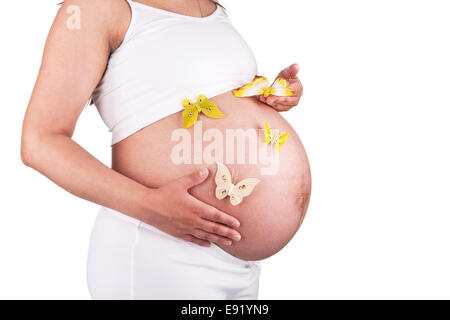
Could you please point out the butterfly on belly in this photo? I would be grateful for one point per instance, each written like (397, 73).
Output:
(276, 139)
(225, 186)
(193, 109)
(260, 85)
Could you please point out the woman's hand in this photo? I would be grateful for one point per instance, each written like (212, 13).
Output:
(286, 103)
(183, 216)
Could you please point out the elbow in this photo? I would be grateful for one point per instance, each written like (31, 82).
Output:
(27, 149)
(25, 154)
(26, 158)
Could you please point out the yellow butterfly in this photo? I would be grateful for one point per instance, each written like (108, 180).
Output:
(278, 140)
(203, 105)
(260, 85)
(225, 186)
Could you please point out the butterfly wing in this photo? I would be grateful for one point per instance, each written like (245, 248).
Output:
(223, 181)
(246, 186)
(279, 88)
(281, 139)
(236, 198)
(258, 86)
(208, 108)
(190, 113)
(267, 132)
(243, 189)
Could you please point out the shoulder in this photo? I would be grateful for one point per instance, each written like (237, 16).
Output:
(103, 10)
(106, 18)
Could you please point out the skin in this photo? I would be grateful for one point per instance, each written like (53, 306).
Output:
(73, 63)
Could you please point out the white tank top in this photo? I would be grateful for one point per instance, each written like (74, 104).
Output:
(164, 58)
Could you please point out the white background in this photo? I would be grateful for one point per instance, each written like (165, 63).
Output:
(374, 119)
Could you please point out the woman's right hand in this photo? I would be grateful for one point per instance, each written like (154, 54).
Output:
(180, 214)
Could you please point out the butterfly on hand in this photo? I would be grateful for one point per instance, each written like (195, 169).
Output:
(277, 139)
(225, 187)
(260, 85)
(203, 105)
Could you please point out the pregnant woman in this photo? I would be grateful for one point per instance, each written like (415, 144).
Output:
(161, 232)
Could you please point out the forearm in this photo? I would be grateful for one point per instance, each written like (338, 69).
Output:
(71, 167)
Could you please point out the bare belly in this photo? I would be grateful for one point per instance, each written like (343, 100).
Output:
(272, 214)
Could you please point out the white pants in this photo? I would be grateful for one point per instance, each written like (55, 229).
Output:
(129, 259)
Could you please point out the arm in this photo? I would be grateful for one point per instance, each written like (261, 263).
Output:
(73, 63)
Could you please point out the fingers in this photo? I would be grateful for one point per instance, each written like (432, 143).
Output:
(290, 72)
(288, 101)
(215, 215)
(200, 234)
(195, 240)
(220, 229)
(281, 107)
(282, 103)
(194, 178)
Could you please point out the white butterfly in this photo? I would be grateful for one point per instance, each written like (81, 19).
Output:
(225, 187)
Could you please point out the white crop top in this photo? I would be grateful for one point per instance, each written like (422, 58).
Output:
(164, 58)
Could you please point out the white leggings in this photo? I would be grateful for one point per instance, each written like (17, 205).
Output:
(129, 259)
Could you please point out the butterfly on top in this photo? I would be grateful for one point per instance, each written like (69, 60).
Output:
(193, 109)
(276, 139)
(260, 85)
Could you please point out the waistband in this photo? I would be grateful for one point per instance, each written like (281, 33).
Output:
(214, 249)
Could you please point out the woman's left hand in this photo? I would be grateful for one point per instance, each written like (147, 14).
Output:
(286, 103)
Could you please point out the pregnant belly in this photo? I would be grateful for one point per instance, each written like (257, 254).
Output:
(271, 215)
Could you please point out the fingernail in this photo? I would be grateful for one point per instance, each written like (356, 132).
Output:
(237, 237)
(202, 172)
(227, 243)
